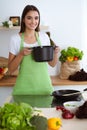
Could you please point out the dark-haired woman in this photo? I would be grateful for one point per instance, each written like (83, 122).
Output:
(33, 84)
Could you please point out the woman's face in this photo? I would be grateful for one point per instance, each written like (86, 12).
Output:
(31, 20)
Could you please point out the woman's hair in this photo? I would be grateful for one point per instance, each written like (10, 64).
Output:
(25, 11)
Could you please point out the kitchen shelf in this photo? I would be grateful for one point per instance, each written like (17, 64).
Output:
(13, 28)
(42, 28)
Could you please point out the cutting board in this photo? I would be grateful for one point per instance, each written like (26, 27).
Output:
(8, 81)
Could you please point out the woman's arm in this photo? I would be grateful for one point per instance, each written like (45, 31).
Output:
(55, 57)
(14, 61)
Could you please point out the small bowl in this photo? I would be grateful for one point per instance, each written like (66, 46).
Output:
(72, 106)
(84, 95)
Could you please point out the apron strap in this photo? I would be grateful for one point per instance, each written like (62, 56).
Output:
(38, 39)
(22, 41)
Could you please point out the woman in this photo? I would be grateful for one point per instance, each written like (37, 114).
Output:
(33, 84)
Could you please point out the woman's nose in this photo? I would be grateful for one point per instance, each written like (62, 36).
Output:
(33, 20)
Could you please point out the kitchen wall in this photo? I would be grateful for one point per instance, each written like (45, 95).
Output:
(67, 20)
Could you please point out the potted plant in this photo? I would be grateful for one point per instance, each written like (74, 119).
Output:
(69, 59)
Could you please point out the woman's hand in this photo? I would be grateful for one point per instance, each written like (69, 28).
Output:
(25, 51)
(14, 61)
(56, 50)
(55, 57)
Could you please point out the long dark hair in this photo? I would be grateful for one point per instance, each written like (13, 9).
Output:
(25, 11)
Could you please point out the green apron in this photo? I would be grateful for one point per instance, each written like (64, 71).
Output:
(33, 84)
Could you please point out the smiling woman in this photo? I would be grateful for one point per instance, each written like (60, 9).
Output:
(33, 84)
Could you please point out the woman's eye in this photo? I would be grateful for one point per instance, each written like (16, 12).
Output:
(36, 18)
(29, 18)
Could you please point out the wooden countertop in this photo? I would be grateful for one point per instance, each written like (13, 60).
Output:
(57, 81)
(10, 81)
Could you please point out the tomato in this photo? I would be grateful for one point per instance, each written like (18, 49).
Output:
(76, 58)
(1, 70)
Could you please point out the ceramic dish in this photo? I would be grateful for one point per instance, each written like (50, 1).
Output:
(72, 106)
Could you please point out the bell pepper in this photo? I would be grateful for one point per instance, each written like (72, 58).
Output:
(54, 123)
(70, 58)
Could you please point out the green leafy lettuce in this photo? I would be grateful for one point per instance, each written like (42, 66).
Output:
(15, 116)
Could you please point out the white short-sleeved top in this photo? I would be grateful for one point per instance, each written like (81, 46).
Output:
(14, 46)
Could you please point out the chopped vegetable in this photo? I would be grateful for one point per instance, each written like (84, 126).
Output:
(71, 105)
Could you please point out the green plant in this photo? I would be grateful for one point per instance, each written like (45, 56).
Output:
(70, 54)
(7, 24)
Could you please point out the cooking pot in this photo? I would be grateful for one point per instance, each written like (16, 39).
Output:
(61, 95)
(43, 53)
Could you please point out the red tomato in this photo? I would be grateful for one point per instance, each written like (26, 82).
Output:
(1, 70)
(75, 58)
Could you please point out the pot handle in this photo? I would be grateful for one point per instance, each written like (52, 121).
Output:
(54, 46)
(31, 48)
(85, 89)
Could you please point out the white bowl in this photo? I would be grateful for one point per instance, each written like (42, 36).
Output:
(72, 106)
(84, 95)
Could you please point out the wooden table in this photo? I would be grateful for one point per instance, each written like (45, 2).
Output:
(10, 81)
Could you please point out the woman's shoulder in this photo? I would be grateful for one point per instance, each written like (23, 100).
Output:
(42, 33)
(14, 45)
(15, 37)
(44, 38)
